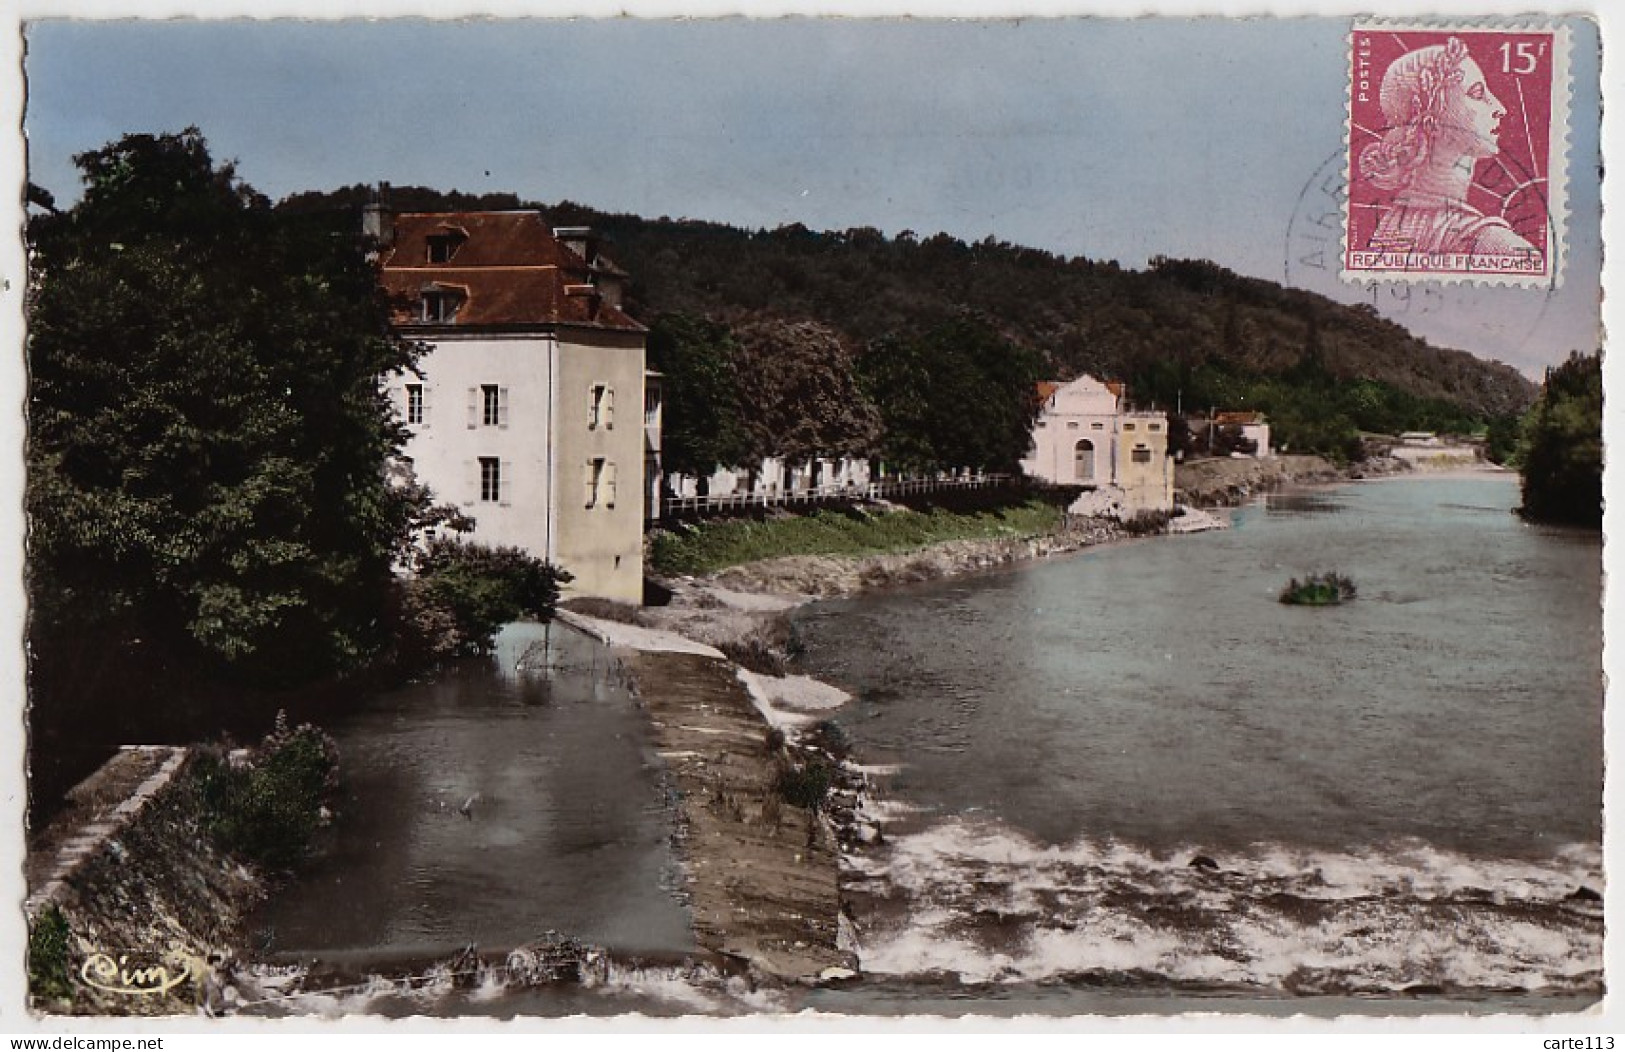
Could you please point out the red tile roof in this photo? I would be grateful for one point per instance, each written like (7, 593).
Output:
(1047, 389)
(1239, 417)
(514, 272)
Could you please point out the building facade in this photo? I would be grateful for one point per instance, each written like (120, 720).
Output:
(1085, 435)
(529, 410)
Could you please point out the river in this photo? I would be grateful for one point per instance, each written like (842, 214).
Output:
(501, 800)
(1391, 803)
(1400, 794)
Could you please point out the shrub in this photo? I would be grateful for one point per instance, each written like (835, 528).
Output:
(268, 809)
(48, 975)
(1145, 523)
(464, 593)
(766, 648)
(755, 653)
(1322, 589)
(828, 736)
(806, 786)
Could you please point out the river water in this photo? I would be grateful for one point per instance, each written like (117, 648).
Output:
(567, 825)
(1400, 794)
(1395, 797)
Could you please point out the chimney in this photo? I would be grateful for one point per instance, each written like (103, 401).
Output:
(377, 221)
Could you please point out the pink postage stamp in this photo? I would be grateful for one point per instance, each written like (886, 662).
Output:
(1456, 153)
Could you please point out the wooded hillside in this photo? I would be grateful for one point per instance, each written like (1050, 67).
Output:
(1181, 329)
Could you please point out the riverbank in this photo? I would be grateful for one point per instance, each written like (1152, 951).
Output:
(1229, 481)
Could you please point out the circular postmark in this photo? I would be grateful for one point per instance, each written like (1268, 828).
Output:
(1451, 310)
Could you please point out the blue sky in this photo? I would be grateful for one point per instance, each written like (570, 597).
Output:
(1111, 139)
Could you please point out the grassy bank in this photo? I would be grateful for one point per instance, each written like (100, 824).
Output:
(706, 547)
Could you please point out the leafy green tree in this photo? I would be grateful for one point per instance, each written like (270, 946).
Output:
(704, 426)
(1561, 458)
(463, 593)
(207, 435)
(798, 393)
(959, 396)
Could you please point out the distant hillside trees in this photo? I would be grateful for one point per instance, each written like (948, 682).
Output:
(1561, 455)
(1181, 331)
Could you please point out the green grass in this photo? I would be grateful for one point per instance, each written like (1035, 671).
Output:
(710, 546)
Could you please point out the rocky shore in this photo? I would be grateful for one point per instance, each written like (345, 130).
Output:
(1220, 482)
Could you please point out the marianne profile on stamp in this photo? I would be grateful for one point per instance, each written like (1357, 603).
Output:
(1455, 153)
(1443, 119)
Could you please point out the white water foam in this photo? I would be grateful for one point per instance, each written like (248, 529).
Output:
(986, 904)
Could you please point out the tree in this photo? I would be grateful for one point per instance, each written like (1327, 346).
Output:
(703, 425)
(798, 393)
(960, 396)
(462, 593)
(1561, 457)
(207, 435)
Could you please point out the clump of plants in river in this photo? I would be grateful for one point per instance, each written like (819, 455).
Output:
(267, 807)
(1319, 589)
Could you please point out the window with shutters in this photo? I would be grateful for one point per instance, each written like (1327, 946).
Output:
(600, 406)
(488, 406)
(594, 481)
(414, 403)
(490, 480)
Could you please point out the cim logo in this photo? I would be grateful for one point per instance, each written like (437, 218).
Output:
(137, 978)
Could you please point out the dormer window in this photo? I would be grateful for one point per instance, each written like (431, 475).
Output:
(444, 244)
(440, 305)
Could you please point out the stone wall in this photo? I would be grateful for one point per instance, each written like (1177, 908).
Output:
(140, 886)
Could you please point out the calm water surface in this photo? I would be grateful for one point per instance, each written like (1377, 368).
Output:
(568, 829)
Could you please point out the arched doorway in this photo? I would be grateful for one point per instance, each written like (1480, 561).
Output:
(1083, 461)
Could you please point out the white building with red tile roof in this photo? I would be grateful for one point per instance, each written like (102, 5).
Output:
(530, 410)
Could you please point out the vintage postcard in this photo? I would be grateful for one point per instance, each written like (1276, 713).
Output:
(1076, 518)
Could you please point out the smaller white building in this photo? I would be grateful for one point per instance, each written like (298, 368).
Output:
(1253, 427)
(1085, 435)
